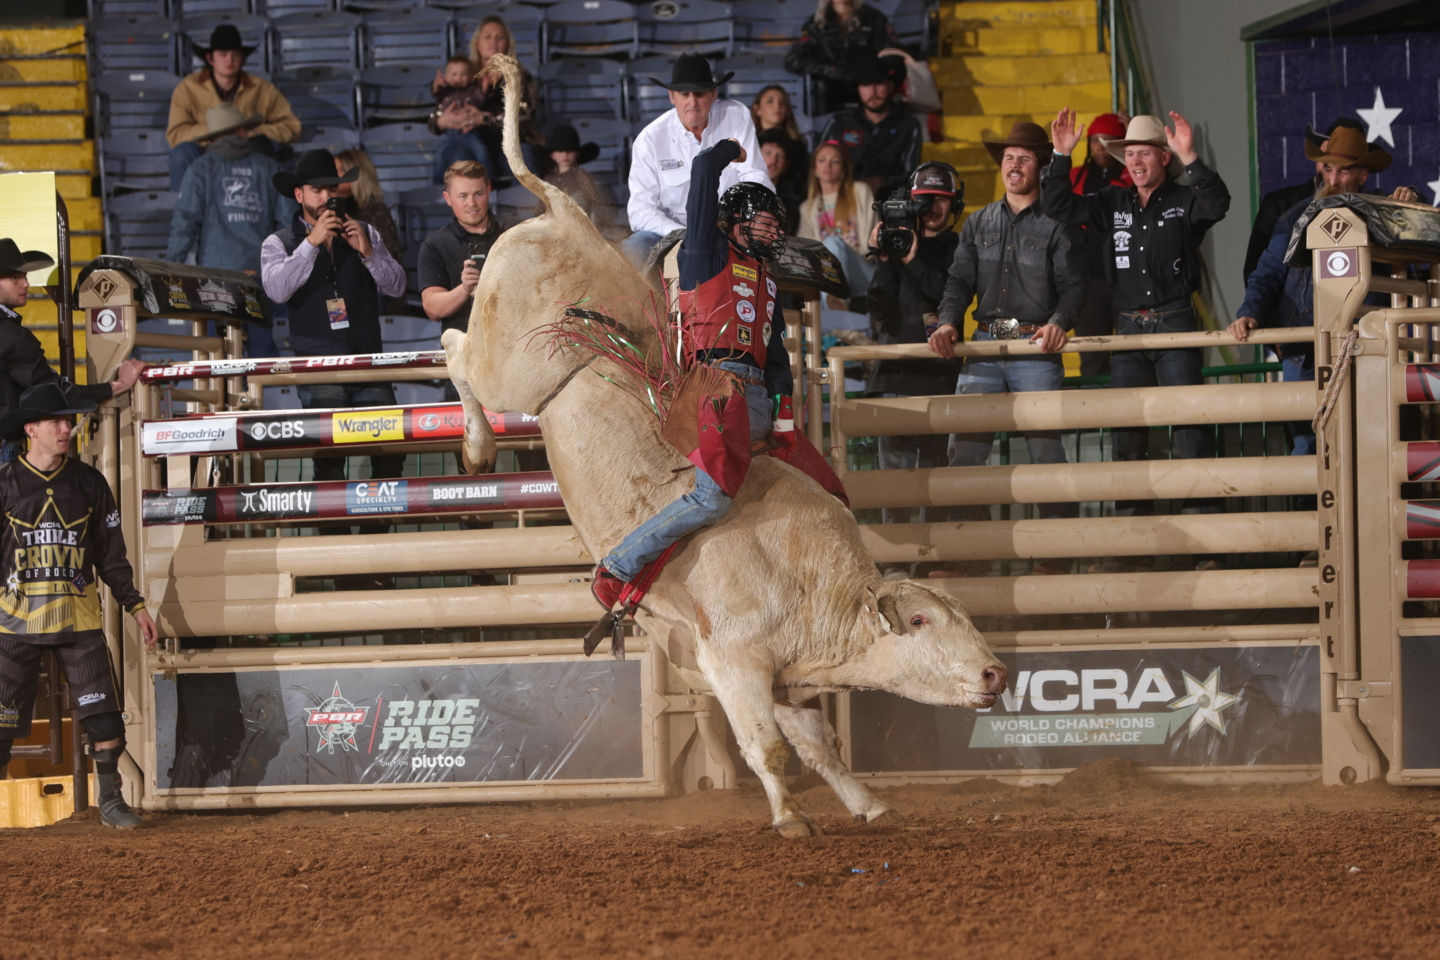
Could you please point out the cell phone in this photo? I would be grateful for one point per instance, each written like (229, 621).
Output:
(337, 205)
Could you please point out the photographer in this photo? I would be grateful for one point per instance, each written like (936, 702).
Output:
(904, 298)
(332, 273)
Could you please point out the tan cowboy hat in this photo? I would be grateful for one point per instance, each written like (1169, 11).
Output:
(1147, 131)
(1347, 148)
(1025, 134)
(226, 118)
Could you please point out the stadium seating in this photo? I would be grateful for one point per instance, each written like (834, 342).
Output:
(403, 154)
(134, 160)
(195, 29)
(334, 139)
(315, 38)
(133, 101)
(133, 44)
(756, 71)
(770, 26)
(583, 87)
(407, 35)
(321, 96)
(590, 28)
(647, 100)
(680, 26)
(283, 8)
(138, 224)
(127, 8)
(189, 9)
(397, 92)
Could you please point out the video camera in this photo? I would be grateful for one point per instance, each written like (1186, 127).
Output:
(901, 216)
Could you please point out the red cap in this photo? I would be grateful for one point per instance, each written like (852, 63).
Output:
(1107, 125)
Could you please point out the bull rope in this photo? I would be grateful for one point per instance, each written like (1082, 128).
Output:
(1337, 382)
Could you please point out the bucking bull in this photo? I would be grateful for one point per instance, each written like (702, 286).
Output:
(773, 605)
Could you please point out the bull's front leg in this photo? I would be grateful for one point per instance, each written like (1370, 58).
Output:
(477, 448)
(815, 741)
(743, 689)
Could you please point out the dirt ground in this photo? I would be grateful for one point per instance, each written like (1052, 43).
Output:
(1107, 864)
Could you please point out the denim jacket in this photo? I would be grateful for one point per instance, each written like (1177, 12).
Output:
(228, 207)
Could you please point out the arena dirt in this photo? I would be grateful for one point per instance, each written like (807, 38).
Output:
(1107, 864)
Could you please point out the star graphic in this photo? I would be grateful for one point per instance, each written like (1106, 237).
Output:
(1378, 119)
(1434, 186)
(1207, 700)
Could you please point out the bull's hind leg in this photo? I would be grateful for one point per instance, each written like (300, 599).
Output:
(815, 741)
(477, 449)
(743, 689)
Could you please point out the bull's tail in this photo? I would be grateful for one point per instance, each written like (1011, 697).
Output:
(508, 69)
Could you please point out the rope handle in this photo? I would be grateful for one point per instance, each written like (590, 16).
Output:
(1337, 382)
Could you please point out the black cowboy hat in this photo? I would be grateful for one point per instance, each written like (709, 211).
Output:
(691, 74)
(45, 401)
(315, 168)
(13, 260)
(566, 138)
(224, 37)
(870, 68)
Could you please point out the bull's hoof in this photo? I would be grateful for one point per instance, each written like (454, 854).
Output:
(797, 828)
(889, 817)
(475, 466)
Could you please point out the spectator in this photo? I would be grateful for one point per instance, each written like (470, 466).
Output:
(665, 151)
(918, 91)
(772, 114)
(332, 273)
(1275, 203)
(226, 208)
(1100, 169)
(789, 179)
(840, 212)
(567, 154)
(904, 298)
(883, 136)
(22, 358)
(469, 122)
(224, 80)
(1027, 272)
(1277, 295)
(831, 44)
(365, 201)
(1152, 275)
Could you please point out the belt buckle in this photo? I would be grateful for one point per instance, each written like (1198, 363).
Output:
(1005, 329)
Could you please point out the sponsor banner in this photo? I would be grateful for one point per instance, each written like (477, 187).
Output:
(375, 724)
(337, 500)
(1422, 382)
(1212, 706)
(232, 368)
(162, 438)
(321, 428)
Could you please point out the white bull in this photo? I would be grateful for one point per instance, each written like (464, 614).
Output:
(776, 603)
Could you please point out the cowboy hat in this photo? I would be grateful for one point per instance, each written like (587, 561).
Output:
(1025, 134)
(226, 118)
(13, 261)
(315, 168)
(566, 139)
(1347, 148)
(872, 68)
(224, 37)
(1318, 138)
(1145, 132)
(45, 401)
(691, 74)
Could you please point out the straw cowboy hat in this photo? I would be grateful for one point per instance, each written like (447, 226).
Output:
(691, 74)
(226, 118)
(1025, 134)
(44, 401)
(13, 260)
(224, 37)
(315, 168)
(1145, 131)
(1347, 148)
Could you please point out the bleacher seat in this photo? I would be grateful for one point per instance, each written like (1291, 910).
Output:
(133, 100)
(398, 92)
(681, 26)
(422, 212)
(134, 44)
(284, 8)
(334, 139)
(770, 26)
(913, 21)
(401, 332)
(196, 30)
(314, 38)
(138, 224)
(590, 28)
(525, 23)
(407, 35)
(321, 96)
(583, 87)
(134, 160)
(126, 8)
(613, 139)
(189, 9)
(515, 203)
(401, 164)
(648, 100)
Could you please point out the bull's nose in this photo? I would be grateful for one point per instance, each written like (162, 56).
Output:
(994, 677)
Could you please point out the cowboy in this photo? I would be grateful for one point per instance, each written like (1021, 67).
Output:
(1277, 295)
(224, 80)
(883, 136)
(22, 358)
(1097, 318)
(664, 152)
(1027, 272)
(332, 274)
(1149, 235)
(732, 321)
(61, 528)
(226, 208)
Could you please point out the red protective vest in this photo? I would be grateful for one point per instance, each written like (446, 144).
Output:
(733, 310)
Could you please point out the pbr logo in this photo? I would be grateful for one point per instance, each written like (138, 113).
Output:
(336, 720)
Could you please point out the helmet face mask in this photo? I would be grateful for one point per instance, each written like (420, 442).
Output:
(741, 205)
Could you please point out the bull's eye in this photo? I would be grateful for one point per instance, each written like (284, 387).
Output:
(919, 620)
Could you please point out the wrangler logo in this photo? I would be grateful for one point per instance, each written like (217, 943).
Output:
(368, 426)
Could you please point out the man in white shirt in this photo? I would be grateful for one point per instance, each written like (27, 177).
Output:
(665, 150)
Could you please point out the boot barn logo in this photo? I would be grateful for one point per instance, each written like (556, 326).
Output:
(1102, 708)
